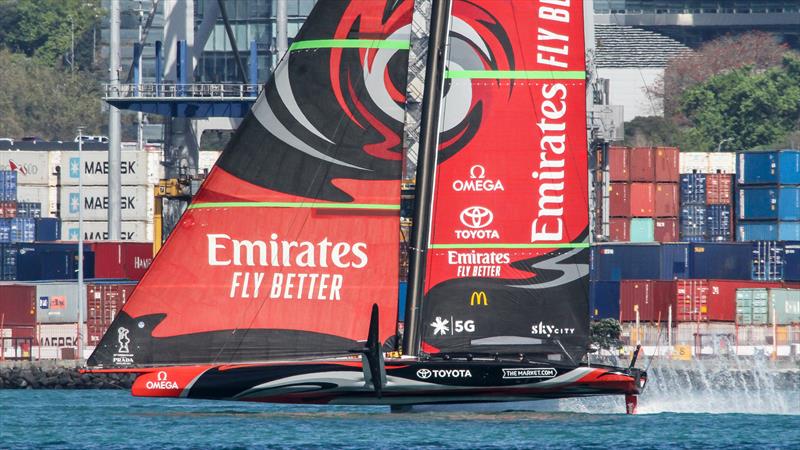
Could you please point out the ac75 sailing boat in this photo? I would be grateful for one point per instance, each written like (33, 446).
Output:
(287, 258)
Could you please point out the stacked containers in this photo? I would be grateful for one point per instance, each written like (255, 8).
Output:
(706, 200)
(137, 196)
(36, 191)
(643, 200)
(768, 185)
(104, 301)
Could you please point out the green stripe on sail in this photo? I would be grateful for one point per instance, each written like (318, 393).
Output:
(350, 43)
(518, 74)
(468, 246)
(294, 205)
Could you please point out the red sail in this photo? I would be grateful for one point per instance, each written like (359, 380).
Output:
(294, 235)
(508, 264)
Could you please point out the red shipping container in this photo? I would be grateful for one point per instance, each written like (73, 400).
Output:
(722, 297)
(642, 167)
(666, 202)
(8, 209)
(649, 296)
(691, 300)
(619, 230)
(718, 189)
(125, 260)
(104, 301)
(619, 200)
(667, 230)
(619, 164)
(17, 305)
(642, 199)
(666, 164)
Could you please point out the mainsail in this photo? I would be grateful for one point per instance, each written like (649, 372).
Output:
(294, 235)
(507, 267)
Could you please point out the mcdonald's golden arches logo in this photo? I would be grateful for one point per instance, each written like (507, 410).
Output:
(478, 298)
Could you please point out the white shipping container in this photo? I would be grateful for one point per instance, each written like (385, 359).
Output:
(155, 171)
(707, 162)
(46, 195)
(57, 302)
(33, 168)
(137, 203)
(133, 165)
(51, 338)
(207, 160)
(98, 231)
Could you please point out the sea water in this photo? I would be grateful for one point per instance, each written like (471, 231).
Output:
(113, 419)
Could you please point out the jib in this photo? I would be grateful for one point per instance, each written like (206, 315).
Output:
(98, 202)
(93, 167)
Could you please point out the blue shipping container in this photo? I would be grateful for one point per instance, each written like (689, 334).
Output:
(5, 230)
(791, 262)
(674, 261)
(614, 262)
(768, 231)
(402, 292)
(718, 223)
(604, 300)
(693, 222)
(768, 203)
(48, 229)
(8, 262)
(8, 186)
(693, 189)
(52, 262)
(23, 229)
(768, 260)
(776, 167)
(717, 260)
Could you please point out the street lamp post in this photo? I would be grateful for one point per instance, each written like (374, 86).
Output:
(719, 145)
(80, 241)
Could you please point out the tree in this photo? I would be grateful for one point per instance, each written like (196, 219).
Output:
(747, 106)
(43, 29)
(651, 132)
(757, 50)
(42, 100)
(605, 333)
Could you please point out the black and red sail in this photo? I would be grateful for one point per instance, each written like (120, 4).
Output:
(293, 236)
(507, 270)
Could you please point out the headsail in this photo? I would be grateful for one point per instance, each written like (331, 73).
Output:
(507, 269)
(294, 235)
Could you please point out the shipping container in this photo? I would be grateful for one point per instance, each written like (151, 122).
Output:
(642, 230)
(693, 189)
(5, 230)
(58, 341)
(126, 260)
(52, 261)
(644, 296)
(23, 229)
(8, 186)
(690, 298)
(402, 293)
(719, 226)
(666, 230)
(31, 167)
(8, 262)
(768, 231)
(46, 196)
(103, 302)
(784, 306)
(207, 160)
(619, 200)
(31, 210)
(133, 166)
(604, 300)
(674, 261)
(703, 162)
(719, 189)
(619, 229)
(614, 262)
(775, 167)
(642, 164)
(48, 229)
(98, 231)
(769, 203)
(666, 200)
(8, 209)
(137, 203)
(58, 302)
(619, 164)
(720, 260)
(17, 305)
(791, 270)
(693, 222)
(666, 164)
(767, 260)
(752, 306)
(642, 199)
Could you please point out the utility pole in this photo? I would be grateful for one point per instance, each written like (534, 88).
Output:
(140, 115)
(114, 135)
(282, 33)
(81, 299)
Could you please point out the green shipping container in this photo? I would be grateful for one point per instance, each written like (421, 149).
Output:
(751, 306)
(643, 230)
(786, 305)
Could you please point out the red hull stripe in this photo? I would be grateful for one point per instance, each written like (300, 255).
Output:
(350, 43)
(294, 205)
(518, 74)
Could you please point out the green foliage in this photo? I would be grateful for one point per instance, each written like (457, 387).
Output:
(749, 107)
(605, 333)
(43, 29)
(651, 131)
(41, 100)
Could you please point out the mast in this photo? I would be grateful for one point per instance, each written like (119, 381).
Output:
(426, 169)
